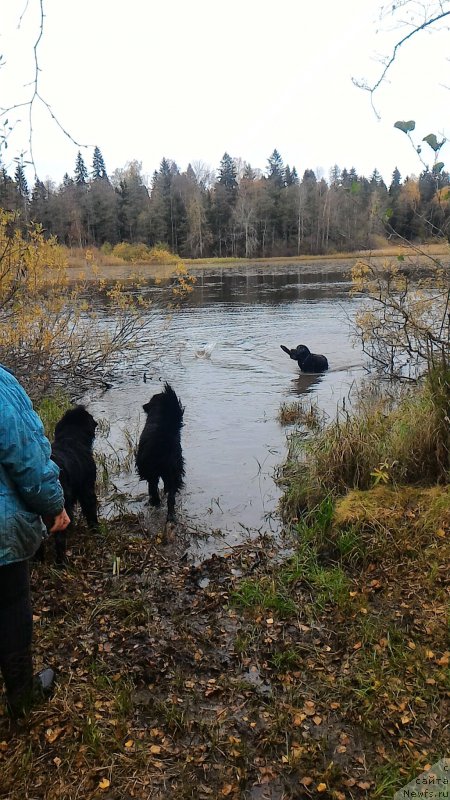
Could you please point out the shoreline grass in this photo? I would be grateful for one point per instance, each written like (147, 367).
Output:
(92, 261)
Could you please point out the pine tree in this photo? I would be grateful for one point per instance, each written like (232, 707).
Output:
(396, 181)
(21, 182)
(40, 210)
(7, 191)
(227, 173)
(81, 173)
(166, 208)
(98, 165)
(133, 203)
(275, 170)
(375, 178)
(290, 176)
(335, 176)
(23, 198)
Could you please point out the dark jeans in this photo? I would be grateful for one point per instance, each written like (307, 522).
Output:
(16, 620)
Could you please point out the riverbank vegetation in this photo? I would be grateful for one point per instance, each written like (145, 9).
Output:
(51, 335)
(236, 211)
(368, 499)
(160, 263)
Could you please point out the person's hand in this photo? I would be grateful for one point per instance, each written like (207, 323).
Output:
(60, 522)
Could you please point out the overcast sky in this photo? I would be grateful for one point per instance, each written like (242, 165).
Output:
(191, 79)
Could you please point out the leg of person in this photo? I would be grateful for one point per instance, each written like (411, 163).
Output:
(16, 663)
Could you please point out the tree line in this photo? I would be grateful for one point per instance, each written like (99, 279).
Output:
(237, 211)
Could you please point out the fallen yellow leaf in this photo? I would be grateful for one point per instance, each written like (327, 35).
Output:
(104, 784)
(52, 734)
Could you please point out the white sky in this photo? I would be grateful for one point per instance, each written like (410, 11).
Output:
(191, 79)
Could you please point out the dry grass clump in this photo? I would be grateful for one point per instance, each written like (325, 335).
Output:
(298, 413)
(122, 253)
(411, 515)
(403, 441)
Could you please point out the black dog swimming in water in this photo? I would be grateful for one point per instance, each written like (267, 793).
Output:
(307, 361)
(159, 453)
(72, 452)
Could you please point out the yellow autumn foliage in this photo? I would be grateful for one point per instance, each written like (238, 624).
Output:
(50, 336)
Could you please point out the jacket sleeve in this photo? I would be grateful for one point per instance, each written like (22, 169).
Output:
(25, 455)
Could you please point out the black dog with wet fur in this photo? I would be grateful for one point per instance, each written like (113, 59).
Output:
(307, 361)
(159, 453)
(72, 452)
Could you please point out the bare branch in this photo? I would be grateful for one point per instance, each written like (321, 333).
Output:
(35, 96)
(392, 58)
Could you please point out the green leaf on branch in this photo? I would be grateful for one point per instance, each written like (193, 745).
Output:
(406, 127)
(438, 167)
(432, 141)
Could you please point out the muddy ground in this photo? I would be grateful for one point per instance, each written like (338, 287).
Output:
(172, 685)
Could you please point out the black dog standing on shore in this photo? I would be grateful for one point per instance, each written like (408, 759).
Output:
(307, 361)
(159, 453)
(72, 452)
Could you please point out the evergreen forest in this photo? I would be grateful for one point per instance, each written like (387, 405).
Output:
(236, 211)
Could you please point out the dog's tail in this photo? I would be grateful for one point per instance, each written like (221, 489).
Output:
(173, 405)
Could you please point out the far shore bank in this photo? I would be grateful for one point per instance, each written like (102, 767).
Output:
(339, 264)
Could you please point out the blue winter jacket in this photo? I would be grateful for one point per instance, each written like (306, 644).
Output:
(29, 485)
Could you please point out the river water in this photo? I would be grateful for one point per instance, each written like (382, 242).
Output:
(221, 353)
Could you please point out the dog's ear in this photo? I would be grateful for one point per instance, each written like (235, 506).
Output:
(146, 407)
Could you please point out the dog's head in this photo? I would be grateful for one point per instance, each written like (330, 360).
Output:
(167, 405)
(155, 402)
(77, 419)
(301, 352)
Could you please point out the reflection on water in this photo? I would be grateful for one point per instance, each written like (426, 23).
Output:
(260, 287)
(221, 353)
(304, 383)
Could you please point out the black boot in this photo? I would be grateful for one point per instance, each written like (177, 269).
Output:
(23, 690)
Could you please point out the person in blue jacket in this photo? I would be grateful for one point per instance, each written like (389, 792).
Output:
(29, 491)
